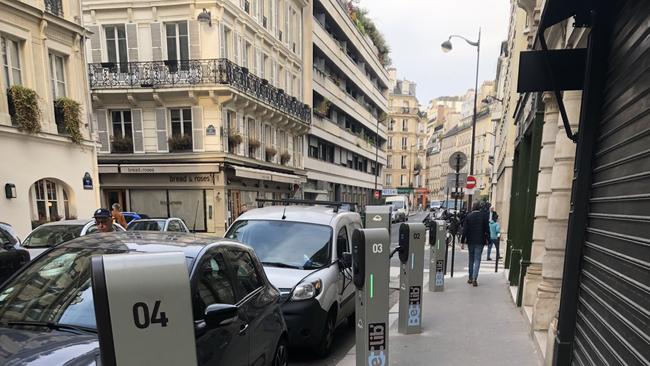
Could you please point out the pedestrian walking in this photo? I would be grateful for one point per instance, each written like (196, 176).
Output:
(476, 232)
(495, 236)
(103, 220)
(118, 216)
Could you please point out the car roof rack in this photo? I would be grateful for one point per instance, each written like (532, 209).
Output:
(336, 205)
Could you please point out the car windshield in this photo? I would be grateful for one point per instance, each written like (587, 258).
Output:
(397, 204)
(55, 288)
(51, 235)
(149, 225)
(284, 243)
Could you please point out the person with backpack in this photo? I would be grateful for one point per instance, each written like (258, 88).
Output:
(476, 232)
(495, 236)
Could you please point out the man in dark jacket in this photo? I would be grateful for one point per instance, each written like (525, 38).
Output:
(476, 233)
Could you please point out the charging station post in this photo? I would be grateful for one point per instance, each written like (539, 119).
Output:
(371, 275)
(411, 256)
(437, 263)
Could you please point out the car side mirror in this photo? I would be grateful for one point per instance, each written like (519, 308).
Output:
(217, 315)
(346, 260)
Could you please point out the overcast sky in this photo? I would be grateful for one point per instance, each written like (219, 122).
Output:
(415, 29)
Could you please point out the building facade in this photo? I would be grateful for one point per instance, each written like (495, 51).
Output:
(406, 171)
(50, 168)
(346, 155)
(200, 112)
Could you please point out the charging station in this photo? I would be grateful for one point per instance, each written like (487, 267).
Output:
(143, 309)
(371, 275)
(437, 245)
(411, 256)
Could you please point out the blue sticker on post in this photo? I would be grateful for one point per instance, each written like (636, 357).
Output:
(415, 293)
(377, 344)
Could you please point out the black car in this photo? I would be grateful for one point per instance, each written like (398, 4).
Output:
(47, 314)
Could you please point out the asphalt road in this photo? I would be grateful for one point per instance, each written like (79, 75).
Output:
(344, 337)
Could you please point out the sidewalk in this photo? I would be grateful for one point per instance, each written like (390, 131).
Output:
(464, 325)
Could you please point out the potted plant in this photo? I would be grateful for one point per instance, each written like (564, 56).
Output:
(121, 144)
(70, 112)
(180, 143)
(23, 109)
(285, 157)
(253, 143)
(234, 139)
(323, 107)
(270, 153)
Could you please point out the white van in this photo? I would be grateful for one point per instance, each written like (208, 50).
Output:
(401, 207)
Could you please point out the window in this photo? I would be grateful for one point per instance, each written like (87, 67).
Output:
(246, 55)
(389, 180)
(116, 45)
(181, 120)
(122, 125)
(10, 52)
(57, 75)
(402, 180)
(342, 245)
(226, 44)
(389, 144)
(404, 143)
(403, 161)
(389, 161)
(247, 279)
(177, 44)
(175, 225)
(405, 125)
(391, 125)
(214, 285)
(45, 195)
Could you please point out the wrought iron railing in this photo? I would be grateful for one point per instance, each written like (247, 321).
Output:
(54, 7)
(170, 74)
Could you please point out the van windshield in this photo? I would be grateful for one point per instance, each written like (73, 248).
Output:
(397, 204)
(284, 243)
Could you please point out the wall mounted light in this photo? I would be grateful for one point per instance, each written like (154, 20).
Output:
(10, 190)
(205, 17)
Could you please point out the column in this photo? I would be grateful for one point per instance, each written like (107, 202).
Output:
(548, 292)
(546, 160)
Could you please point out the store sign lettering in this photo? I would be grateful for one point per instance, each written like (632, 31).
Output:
(189, 179)
(127, 169)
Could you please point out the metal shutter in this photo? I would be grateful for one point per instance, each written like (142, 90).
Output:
(612, 324)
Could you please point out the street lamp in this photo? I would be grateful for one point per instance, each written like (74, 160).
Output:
(446, 47)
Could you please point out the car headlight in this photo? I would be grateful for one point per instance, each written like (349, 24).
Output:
(307, 290)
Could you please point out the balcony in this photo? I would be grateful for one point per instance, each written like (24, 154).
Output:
(190, 73)
(54, 7)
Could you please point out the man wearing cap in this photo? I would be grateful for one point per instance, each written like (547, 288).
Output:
(103, 220)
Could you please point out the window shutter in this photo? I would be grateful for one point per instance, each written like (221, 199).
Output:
(95, 44)
(224, 129)
(138, 138)
(132, 41)
(161, 129)
(195, 40)
(197, 128)
(222, 41)
(102, 130)
(156, 41)
(263, 142)
(240, 131)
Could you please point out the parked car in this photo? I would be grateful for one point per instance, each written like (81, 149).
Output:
(47, 307)
(301, 248)
(130, 216)
(11, 259)
(401, 206)
(170, 224)
(57, 232)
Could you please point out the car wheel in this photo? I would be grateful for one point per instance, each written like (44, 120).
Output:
(325, 345)
(281, 357)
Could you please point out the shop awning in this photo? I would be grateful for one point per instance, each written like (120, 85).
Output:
(269, 175)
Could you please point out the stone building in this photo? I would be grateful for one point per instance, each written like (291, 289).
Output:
(49, 170)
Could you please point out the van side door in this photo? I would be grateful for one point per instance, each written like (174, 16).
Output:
(344, 279)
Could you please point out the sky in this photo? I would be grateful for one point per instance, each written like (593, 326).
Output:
(415, 29)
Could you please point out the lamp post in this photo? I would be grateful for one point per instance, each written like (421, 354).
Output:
(446, 47)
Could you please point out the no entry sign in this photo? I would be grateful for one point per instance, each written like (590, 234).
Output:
(471, 182)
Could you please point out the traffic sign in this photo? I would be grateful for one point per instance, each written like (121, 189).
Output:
(377, 194)
(471, 182)
(451, 180)
(457, 159)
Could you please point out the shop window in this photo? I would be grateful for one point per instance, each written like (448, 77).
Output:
(48, 200)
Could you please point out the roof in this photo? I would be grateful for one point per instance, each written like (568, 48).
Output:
(149, 242)
(309, 214)
(69, 222)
